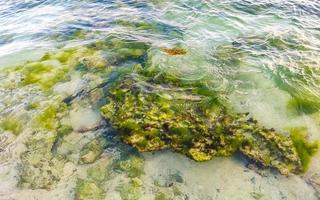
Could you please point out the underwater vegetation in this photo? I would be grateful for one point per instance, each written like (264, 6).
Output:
(47, 147)
(304, 149)
(151, 26)
(132, 166)
(154, 110)
(297, 76)
(302, 86)
(11, 124)
(286, 42)
(88, 190)
(150, 108)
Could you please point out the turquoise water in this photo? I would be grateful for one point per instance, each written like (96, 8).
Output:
(261, 56)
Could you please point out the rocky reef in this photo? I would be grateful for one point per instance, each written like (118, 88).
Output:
(57, 100)
(153, 110)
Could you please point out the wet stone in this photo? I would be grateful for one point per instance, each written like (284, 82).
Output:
(153, 110)
(88, 190)
(92, 151)
(39, 168)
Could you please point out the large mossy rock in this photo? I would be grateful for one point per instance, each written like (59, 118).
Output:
(153, 110)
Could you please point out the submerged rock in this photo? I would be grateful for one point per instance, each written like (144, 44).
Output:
(40, 169)
(153, 110)
(92, 151)
(85, 119)
(88, 190)
(133, 166)
(130, 191)
(314, 181)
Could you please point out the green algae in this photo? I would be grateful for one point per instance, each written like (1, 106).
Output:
(93, 186)
(152, 111)
(39, 168)
(33, 105)
(123, 50)
(301, 84)
(47, 118)
(56, 67)
(11, 124)
(64, 130)
(150, 26)
(306, 105)
(142, 25)
(285, 43)
(160, 196)
(88, 190)
(98, 173)
(176, 191)
(129, 191)
(256, 195)
(229, 55)
(132, 166)
(304, 149)
(281, 43)
(79, 34)
(44, 75)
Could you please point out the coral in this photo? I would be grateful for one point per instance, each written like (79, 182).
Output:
(152, 111)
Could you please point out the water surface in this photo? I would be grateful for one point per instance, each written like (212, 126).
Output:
(263, 56)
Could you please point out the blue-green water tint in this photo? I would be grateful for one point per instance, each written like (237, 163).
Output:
(263, 56)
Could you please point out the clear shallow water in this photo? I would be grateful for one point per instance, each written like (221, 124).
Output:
(263, 56)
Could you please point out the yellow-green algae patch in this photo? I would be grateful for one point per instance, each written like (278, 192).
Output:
(11, 124)
(40, 168)
(152, 110)
(87, 189)
(47, 118)
(304, 149)
(57, 66)
(129, 191)
(132, 166)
